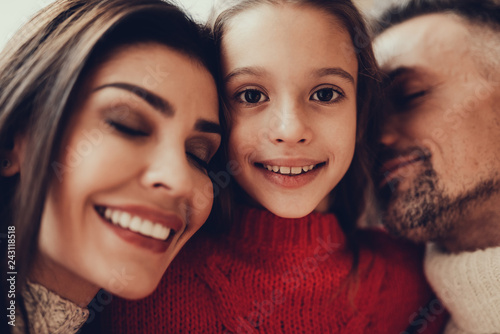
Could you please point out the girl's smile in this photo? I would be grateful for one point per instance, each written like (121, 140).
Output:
(290, 173)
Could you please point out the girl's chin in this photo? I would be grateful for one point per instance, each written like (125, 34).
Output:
(288, 212)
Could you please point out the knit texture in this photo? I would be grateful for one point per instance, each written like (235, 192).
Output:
(49, 313)
(278, 275)
(468, 284)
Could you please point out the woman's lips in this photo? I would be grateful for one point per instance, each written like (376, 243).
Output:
(140, 226)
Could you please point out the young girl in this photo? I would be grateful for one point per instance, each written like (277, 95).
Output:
(108, 119)
(299, 81)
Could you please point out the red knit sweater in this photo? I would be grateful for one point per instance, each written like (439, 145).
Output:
(277, 275)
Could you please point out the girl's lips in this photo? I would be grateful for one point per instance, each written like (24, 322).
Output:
(288, 162)
(288, 179)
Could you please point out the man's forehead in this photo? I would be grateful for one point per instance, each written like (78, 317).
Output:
(423, 41)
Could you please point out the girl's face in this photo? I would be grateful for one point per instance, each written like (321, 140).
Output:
(130, 187)
(290, 77)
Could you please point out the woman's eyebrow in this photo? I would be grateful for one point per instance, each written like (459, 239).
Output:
(253, 71)
(152, 99)
(204, 125)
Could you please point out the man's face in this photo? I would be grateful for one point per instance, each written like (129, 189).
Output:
(441, 141)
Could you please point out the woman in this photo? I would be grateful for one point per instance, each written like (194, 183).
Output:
(108, 120)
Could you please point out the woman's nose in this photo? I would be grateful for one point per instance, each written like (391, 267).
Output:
(169, 172)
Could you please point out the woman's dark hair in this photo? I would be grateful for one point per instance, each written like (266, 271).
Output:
(348, 197)
(41, 69)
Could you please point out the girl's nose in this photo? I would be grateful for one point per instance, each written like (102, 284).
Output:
(290, 125)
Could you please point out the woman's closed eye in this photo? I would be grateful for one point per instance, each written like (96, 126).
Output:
(198, 162)
(251, 96)
(327, 95)
(199, 153)
(127, 130)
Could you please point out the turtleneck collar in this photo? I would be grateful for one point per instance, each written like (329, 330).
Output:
(263, 228)
(49, 312)
(468, 285)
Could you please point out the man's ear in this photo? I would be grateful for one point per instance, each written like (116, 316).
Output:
(11, 161)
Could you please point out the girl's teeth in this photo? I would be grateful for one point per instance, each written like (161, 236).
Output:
(285, 170)
(137, 224)
(289, 170)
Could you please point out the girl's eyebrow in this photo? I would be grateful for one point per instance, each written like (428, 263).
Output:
(260, 72)
(336, 71)
(253, 71)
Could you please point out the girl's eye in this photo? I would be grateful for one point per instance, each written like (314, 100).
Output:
(251, 96)
(198, 162)
(326, 95)
(127, 130)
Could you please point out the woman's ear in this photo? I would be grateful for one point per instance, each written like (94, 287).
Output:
(11, 161)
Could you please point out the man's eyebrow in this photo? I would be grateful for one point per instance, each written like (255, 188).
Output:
(254, 71)
(152, 99)
(204, 125)
(403, 71)
(336, 71)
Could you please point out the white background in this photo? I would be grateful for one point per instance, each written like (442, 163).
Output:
(14, 13)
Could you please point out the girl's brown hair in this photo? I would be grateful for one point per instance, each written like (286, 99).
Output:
(40, 72)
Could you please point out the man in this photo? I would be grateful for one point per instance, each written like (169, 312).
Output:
(439, 172)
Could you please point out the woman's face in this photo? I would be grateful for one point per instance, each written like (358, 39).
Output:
(130, 187)
(290, 76)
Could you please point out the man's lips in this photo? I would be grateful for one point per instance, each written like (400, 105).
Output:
(391, 168)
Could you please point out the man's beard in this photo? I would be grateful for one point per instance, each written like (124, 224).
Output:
(424, 212)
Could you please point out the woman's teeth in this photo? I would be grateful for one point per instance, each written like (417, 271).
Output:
(137, 224)
(289, 170)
